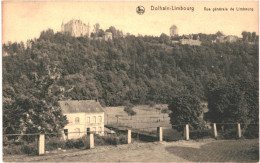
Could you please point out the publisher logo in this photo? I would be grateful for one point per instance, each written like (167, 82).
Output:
(140, 10)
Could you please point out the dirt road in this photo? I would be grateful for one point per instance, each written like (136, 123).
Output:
(141, 152)
(204, 150)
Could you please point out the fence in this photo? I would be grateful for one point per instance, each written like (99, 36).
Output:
(40, 144)
(213, 130)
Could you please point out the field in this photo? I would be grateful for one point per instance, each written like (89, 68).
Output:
(220, 151)
(147, 118)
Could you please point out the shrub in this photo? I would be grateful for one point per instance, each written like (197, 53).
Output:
(251, 132)
(198, 134)
(78, 143)
(129, 110)
(165, 110)
(151, 103)
(29, 149)
(54, 143)
(229, 133)
(9, 150)
(69, 143)
(110, 140)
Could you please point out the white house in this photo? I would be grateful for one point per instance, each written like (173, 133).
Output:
(83, 116)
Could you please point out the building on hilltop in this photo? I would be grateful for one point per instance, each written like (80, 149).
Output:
(173, 31)
(108, 36)
(76, 28)
(223, 39)
(189, 40)
(84, 116)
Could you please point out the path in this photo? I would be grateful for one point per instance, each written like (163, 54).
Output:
(141, 152)
(205, 150)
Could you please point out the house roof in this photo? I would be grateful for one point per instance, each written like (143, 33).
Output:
(77, 106)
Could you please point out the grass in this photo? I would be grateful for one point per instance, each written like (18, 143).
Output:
(172, 135)
(146, 117)
(29, 149)
(242, 150)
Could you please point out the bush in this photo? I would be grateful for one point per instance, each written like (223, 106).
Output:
(198, 134)
(69, 143)
(29, 149)
(110, 140)
(8, 150)
(129, 110)
(164, 110)
(229, 133)
(54, 143)
(79, 143)
(251, 132)
(151, 103)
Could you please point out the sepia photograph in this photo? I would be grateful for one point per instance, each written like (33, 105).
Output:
(130, 81)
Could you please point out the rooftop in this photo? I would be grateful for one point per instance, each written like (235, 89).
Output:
(78, 106)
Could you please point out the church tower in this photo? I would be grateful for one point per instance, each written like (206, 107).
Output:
(173, 31)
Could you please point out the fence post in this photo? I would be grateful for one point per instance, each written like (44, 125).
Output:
(128, 136)
(187, 132)
(41, 144)
(215, 130)
(90, 144)
(160, 133)
(238, 130)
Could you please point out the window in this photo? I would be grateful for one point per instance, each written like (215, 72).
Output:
(88, 131)
(94, 120)
(66, 132)
(94, 129)
(77, 131)
(100, 130)
(88, 119)
(100, 119)
(77, 120)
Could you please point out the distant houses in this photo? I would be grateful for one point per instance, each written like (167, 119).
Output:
(187, 40)
(223, 39)
(84, 116)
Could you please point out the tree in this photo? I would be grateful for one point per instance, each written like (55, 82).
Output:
(185, 109)
(253, 36)
(249, 34)
(101, 33)
(219, 34)
(112, 29)
(227, 104)
(245, 36)
(129, 109)
(164, 38)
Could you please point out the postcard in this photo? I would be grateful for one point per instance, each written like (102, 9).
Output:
(130, 81)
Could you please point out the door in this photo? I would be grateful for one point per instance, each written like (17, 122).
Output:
(88, 131)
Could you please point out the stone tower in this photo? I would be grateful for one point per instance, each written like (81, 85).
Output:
(173, 31)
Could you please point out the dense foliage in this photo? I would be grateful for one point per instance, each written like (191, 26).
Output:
(185, 109)
(137, 70)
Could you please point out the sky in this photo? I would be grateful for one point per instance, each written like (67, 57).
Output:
(25, 20)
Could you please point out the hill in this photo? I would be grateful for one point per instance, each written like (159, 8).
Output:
(137, 70)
